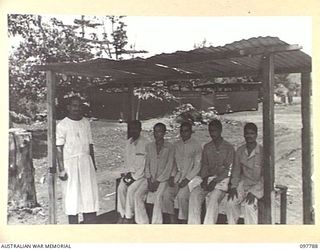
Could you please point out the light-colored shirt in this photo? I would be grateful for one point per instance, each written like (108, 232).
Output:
(135, 156)
(159, 166)
(186, 159)
(248, 169)
(217, 161)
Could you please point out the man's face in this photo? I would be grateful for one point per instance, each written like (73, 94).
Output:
(215, 133)
(185, 133)
(134, 131)
(158, 133)
(74, 109)
(250, 135)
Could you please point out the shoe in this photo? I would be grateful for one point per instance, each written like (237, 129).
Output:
(128, 221)
(120, 220)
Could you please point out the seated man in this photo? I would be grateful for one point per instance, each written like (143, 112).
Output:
(216, 164)
(246, 179)
(187, 155)
(159, 160)
(134, 163)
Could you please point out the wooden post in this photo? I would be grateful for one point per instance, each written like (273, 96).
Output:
(51, 86)
(21, 183)
(308, 217)
(130, 110)
(268, 135)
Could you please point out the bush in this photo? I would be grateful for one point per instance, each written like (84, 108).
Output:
(187, 113)
(19, 118)
(209, 115)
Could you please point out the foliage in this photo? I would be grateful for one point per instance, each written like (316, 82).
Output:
(19, 118)
(48, 40)
(119, 35)
(157, 90)
(209, 115)
(188, 113)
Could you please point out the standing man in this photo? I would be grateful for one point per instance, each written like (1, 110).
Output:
(186, 166)
(134, 164)
(246, 179)
(216, 164)
(75, 158)
(159, 162)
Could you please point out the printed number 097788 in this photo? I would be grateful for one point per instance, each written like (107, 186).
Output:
(308, 245)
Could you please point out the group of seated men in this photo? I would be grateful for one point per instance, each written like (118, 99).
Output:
(178, 178)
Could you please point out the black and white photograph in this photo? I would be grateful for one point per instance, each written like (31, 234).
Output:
(159, 120)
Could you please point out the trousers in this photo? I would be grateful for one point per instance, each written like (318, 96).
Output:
(175, 197)
(233, 208)
(156, 198)
(126, 195)
(213, 200)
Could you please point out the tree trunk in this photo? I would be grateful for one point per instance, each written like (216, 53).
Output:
(21, 190)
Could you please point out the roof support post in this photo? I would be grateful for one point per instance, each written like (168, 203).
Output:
(268, 136)
(130, 103)
(51, 92)
(308, 217)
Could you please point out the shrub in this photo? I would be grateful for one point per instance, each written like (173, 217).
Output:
(187, 113)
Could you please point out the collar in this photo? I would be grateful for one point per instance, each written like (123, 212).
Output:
(136, 141)
(255, 151)
(187, 141)
(220, 146)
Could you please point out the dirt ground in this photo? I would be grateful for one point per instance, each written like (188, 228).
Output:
(109, 138)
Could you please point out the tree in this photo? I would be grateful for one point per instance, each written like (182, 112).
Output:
(157, 91)
(46, 40)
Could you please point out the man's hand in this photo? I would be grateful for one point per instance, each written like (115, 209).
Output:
(212, 185)
(204, 184)
(171, 181)
(155, 185)
(183, 183)
(250, 198)
(233, 193)
(149, 184)
(63, 176)
(128, 179)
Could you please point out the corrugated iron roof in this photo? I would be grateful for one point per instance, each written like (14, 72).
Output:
(240, 58)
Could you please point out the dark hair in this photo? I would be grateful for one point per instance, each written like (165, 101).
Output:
(161, 125)
(134, 123)
(252, 126)
(215, 123)
(186, 124)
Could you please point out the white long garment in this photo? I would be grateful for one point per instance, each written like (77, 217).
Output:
(80, 191)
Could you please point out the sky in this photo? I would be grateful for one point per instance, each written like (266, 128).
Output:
(158, 34)
(169, 34)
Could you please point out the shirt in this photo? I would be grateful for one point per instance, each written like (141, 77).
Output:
(135, 156)
(217, 161)
(187, 159)
(159, 166)
(248, 169)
